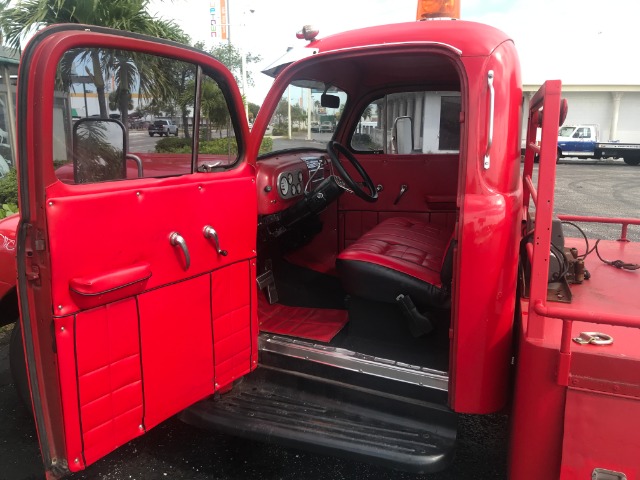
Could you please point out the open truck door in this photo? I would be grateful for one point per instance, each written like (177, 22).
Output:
(136, 268)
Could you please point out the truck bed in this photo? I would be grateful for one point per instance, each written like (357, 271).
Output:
(609, 290)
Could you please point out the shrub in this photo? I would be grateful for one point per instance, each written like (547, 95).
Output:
(280, 129)
(173, 145)
(9, 194)
(217, 146)
(9, 187)
(267, 145)
(8, 209)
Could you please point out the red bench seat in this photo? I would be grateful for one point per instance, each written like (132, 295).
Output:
(399, 256)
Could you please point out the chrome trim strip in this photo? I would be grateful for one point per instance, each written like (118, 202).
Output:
(418, 43)
(357, 362)
(492, 91)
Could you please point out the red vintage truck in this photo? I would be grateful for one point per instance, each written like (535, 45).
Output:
(352, 298)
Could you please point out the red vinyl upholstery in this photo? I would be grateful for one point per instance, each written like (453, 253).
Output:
(399, 255)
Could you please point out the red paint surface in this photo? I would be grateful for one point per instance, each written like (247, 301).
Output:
(8, 252)
(268, 170)
(600, 431)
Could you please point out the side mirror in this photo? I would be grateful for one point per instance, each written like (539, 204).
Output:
(329, 101)
(403, 138)
(99, 150)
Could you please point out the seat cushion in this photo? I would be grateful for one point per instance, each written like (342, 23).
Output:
(398, 256)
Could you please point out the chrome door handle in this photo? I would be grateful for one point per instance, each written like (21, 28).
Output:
(492, 107)
(177, 241)
(209, 232)
(403, 189)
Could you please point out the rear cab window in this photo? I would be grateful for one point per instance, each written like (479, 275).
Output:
(416, 122)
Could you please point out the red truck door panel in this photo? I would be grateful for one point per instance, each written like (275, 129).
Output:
(432, 197)
(137, 270)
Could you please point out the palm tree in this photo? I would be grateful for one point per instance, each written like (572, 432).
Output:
(130, 15)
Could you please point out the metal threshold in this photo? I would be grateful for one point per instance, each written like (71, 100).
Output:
(354, 361)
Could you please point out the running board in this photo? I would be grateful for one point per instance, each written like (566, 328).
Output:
(328, 417)
(355, 362)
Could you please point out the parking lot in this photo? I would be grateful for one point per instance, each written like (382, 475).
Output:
(177, 451)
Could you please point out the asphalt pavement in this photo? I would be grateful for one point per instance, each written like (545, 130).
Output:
(174, 450)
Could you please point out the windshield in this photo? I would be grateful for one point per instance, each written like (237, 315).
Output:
(301, 121)
(566, 131)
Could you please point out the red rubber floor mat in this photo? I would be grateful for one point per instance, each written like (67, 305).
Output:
(321, 324)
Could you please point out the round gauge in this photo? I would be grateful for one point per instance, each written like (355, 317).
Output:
(290, 178)
(284, 186)
(299, 188)
(300, 177)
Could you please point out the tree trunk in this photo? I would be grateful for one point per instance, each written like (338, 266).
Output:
(98, 80)
(123, 100)
(185, 122)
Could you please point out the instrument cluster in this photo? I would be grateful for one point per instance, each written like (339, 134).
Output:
(290, 184)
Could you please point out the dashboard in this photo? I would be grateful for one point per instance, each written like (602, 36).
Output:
(283, 179)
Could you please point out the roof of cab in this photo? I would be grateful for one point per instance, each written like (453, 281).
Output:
(471, 38)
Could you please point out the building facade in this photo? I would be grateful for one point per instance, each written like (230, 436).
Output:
(614, 108)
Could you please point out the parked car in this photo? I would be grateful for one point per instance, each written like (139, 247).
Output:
(315, 127)
(163, 127)
(326, 127)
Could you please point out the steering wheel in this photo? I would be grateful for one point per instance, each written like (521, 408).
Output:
(333, 149)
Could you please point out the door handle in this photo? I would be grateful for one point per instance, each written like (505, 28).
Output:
(403, 189)
(209, 232)
(177, 241)
(492, 110)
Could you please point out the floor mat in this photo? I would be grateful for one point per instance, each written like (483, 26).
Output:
(321, 324)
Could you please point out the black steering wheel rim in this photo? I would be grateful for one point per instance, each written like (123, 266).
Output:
(333, 148)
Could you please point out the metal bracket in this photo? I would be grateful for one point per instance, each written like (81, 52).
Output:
(593, 338)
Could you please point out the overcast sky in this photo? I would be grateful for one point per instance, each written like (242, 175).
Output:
(577, 41)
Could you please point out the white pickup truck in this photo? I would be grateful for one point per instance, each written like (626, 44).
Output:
(583, 141)
(163, 127)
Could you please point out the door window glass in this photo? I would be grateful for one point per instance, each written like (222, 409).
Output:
(125, 115)
(6, 151)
